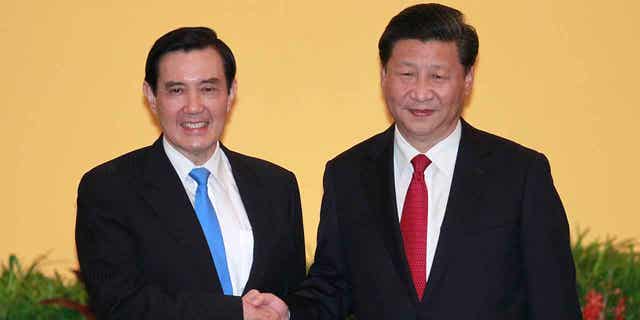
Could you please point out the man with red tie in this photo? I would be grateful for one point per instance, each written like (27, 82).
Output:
(432, 218)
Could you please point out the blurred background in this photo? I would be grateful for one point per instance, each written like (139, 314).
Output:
(556, 76)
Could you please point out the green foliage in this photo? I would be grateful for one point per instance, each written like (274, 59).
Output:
(22, 290)
(606, 271)
(609, 269)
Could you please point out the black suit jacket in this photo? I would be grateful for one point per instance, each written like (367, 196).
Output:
(141, 249)
(503, 251)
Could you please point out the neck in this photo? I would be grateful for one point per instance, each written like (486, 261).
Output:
(197, 157)
(426, 142)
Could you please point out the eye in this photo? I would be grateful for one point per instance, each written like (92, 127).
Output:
(209, 89)
(437, 76)
(176, 90)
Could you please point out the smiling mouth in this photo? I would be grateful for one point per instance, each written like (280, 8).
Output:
(421, 113)
(195, 125)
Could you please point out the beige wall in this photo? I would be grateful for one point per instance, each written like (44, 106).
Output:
(558, 76)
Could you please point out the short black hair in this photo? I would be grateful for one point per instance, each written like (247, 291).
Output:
(431, 21)
(187, 39)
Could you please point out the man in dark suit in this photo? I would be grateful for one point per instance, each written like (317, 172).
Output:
(182, 229)
(432, 218)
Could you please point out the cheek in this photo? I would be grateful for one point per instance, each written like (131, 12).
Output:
(394, 93)
(219, 115)
(220, 111)
(165, 116)
(392, 104)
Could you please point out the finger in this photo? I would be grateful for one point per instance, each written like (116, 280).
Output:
(256, 313)
(275, 303)
(268, 314)
(251, 294)
(253, 297)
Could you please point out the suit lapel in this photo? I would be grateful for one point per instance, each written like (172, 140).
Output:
(162, 189)
(466, 188)
(379, 182)
(251, 193)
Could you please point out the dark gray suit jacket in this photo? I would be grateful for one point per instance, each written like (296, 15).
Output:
(503, 251)
(141, 249)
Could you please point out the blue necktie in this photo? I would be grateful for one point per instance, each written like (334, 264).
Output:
(211, 228)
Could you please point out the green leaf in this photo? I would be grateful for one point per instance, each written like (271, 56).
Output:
(21, 292)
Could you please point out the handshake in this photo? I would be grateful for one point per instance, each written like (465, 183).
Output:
(263, 306)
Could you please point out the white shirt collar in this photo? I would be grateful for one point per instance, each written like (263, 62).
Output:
(183, 165)
(442, 155)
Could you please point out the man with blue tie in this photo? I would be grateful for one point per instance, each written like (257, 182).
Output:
(186, 228)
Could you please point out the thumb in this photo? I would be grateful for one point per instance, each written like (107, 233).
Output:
(253, 297)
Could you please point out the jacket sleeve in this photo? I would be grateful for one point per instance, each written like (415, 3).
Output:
(298, 265)
(326, 292)
(546, 251)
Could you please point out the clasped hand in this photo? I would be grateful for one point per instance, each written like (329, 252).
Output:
(263, 306)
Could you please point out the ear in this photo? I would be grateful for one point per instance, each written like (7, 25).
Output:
(150, 97)
(232, 94)
(468, 80)
(383, 73)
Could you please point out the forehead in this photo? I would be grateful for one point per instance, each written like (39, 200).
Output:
(418, 52)
(198, 63)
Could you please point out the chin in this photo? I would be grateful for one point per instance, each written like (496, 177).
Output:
(201, 147)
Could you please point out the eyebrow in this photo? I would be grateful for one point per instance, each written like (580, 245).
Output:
(438, 67)
(430, 66)
(212, 80)
(170, 84)
(407, 64)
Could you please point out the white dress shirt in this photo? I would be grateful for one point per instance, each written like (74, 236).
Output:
(232, 216)
(438, 176)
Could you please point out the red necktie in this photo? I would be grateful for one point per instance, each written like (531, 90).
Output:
(413, 224)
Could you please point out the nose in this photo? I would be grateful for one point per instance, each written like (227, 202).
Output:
(194, 103)
(423, 90)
